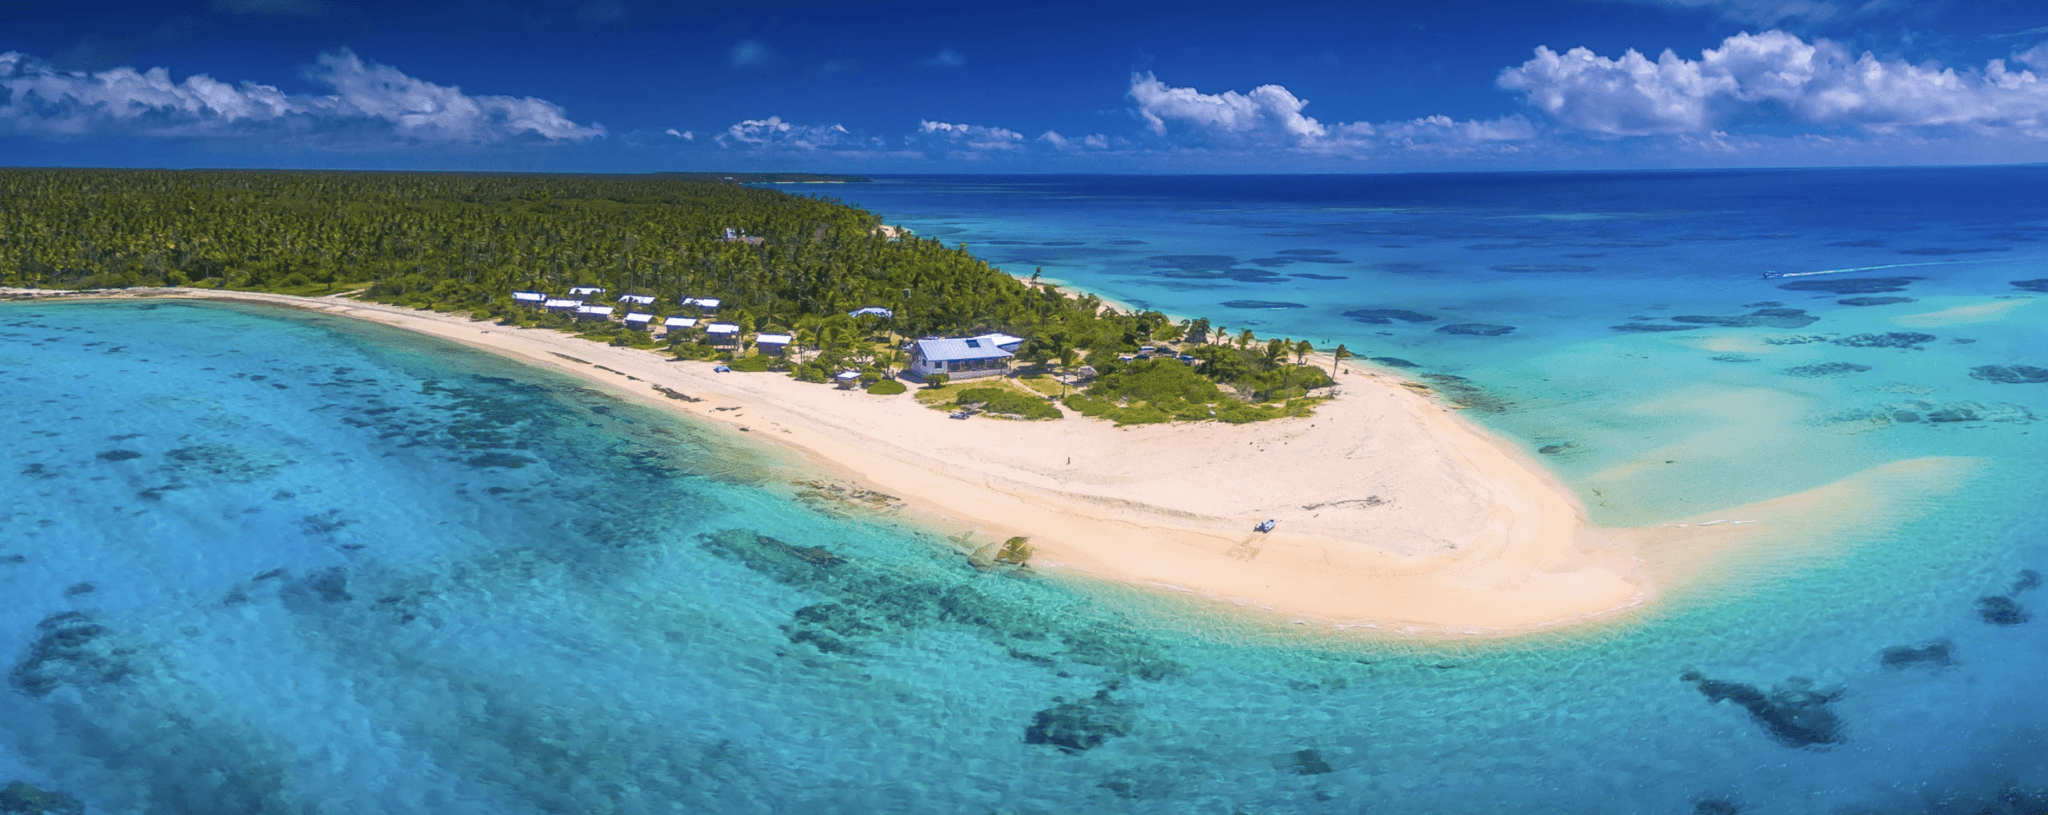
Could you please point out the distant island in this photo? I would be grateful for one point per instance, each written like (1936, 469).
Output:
(767, 178)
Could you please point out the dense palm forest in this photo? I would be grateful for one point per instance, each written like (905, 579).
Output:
(464, 242)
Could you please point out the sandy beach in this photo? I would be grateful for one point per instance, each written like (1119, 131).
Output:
(1393, 512)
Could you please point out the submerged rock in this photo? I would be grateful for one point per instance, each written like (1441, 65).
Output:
(1852, 285)
(1824, 369)
(73, 650)
(2010, 374)
(787, 563)
(1077, 726)
(1715, 806)
(22, 798)
(1896, 339)
(1476, 329)
(1875, 301)
(1269, 305)
(1554, 449)
(2002, 610)
(1461, 390)
(1795, 713)
(1384, 316)
(1937, 654)
(1732, 358)
(2038, 284)
(1303, 762)
(1651, 328)
(1761, 318)
(1393, 362)
(1544, 268)
(119, 455)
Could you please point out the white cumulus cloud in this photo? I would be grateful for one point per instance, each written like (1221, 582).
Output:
(1095, 141)
(1272, 116)
(971, 138)
(773, 132)
(685, 135)
(370, 104)
(1267, 109)
(1776, 76)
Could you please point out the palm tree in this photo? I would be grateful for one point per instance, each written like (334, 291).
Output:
(1244, 340)
(1337, 357)
(1301, 350)
(1069, 358)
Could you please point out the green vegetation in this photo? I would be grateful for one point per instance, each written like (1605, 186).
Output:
(1006, 401)
(1016, 550)
(1160, 390)
(936, 381)
(755, 364)
(463, 243)
(887, 387)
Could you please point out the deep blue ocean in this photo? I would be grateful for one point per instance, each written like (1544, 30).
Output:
(265, 561)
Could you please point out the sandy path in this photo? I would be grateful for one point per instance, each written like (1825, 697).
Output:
(1393, 512)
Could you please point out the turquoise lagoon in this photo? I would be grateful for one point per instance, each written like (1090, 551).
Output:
(268, 561)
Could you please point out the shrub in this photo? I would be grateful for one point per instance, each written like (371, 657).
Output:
(754, 364)
(1016, 550)
(691, 350)
(936, 380)
(1007, 401)
(887, 387)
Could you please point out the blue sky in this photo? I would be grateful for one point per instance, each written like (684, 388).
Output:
(1106, 87)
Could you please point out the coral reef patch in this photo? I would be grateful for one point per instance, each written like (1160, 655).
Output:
(1795, 713)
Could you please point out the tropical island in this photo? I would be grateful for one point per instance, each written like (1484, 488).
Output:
(1390, 511)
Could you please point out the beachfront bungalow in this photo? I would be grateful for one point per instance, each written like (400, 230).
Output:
(640, 320)
(637, 299)
(583, 293)
(1005, 341)
(847, 380)
(560, 305)
(771, 343)
(704, 305)
(723, 333)
(593, 312)
(677, 325)
(959, 357)
(871, 311)
(529, 299)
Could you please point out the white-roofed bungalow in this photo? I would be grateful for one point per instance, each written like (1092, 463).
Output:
(959, 357)
(771, 343)
(676, 325)
(640, 320)
(706, 305)
(637, 299)
(593, 312)
(584, 292)
(723, 333)
(871, 311)
(530, 299)
(1004, 341)
(561, 305)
